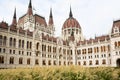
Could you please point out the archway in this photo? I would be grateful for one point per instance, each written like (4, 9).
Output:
(118, 62)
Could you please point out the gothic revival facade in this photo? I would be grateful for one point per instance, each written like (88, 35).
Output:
(30, 42)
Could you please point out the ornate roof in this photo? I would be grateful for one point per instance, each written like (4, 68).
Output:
(71, 22)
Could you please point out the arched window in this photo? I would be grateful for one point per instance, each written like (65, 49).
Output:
(4, 50)
(10, 42)
(42, 47)
(14, 42)
(1, 59)
(79, 63)
(30, 45)
(20, 60)
(97, 62)
(28, 61)
(54, 62)
(11, 60)
(64, 63)
(49, 62)
(37, 46)
(101, 49)
(4, 40)
(19, 43)
(84, 63)
(27, 44)
(103, 61)
(43, 62)
(36, 62)
(118, 43)
(104, 48)
(22, 43)
(115, 44)
(90, 62)
(0, 39)
(97, 49)
(108, 47)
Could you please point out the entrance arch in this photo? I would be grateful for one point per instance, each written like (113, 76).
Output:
(118, 62)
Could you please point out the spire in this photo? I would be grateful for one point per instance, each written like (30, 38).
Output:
(30, 5)
(30, 8)
(70, 14)
(14, 14)
(50, 18)
(51, 13)
(14, 22)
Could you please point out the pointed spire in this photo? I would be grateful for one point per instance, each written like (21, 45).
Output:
(51, 13)
(30, 12)
(70, 14)
(51, 18)
(14, 21)
(14, 14)
(30, 5)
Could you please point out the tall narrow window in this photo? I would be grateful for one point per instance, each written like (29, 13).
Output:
(37, 46)
(19, 43)
(28, 61)
(14, 42)
(10, 42)
(30, 45)
(1, 59)
(115, 44)
(22, 43)
(11, 60)
(4, 40)
(27, 44)
(0, 39)
(21, 60)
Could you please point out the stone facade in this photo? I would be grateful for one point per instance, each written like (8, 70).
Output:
(30, 42)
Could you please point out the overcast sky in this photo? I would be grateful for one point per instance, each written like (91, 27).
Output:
(95, 16)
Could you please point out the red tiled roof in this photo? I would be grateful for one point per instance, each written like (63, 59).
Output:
(4, 25)
(99, 38)
(71, 22)
(41, 20)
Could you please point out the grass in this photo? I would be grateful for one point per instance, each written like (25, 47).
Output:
(61, 73)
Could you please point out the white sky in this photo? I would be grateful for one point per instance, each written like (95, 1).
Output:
(95, 16)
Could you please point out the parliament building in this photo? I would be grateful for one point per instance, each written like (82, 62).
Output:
(30, 41)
